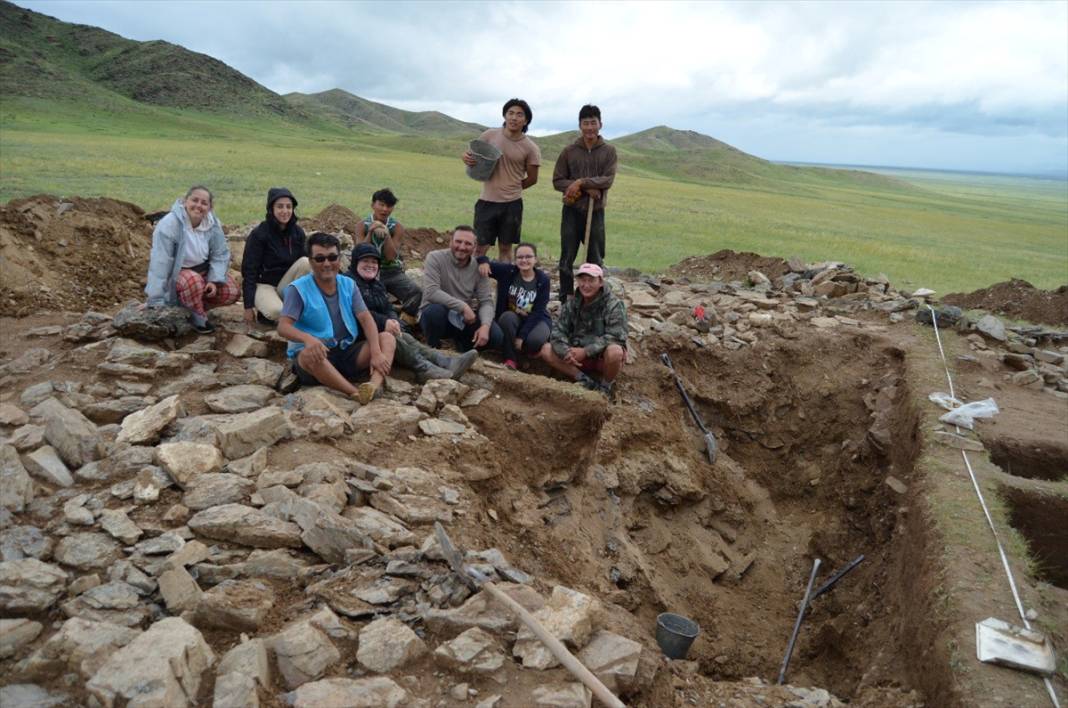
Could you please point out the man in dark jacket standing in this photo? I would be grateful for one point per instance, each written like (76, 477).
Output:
(584, 172)
(273, 258)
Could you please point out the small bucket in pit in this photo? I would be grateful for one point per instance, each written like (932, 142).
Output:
(486, 156)
(675, 634)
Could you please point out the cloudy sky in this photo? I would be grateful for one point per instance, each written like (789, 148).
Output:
(975, 86)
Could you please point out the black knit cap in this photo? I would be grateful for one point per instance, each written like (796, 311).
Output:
(365, 250)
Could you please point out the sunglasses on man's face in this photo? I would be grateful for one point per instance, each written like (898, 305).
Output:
(320, 258)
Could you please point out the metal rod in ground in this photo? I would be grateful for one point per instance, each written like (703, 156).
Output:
(797, 624)
(837, 576)
(710, 439)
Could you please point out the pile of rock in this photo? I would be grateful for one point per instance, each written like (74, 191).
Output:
(732, 314)
(1024, 356)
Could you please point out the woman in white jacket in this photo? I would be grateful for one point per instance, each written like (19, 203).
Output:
(189, 260)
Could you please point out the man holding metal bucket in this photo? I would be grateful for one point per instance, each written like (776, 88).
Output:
(499, 209)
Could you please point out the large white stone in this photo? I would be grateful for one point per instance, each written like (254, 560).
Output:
(45, 464)
(159, 669)
(247, 526)
(387, 644)
(29, 585)
(483, 611)
(383, 528)
(87, 550)
(239, 399)
(377, 692)
(15, 634)
(472, 651)
(568, 695)
(239, 605)
(567, 616)
(16, 487)
(179, 590)
(248, 432)
(210, 490)
(185, 461)
(613, 659)
(81, 646)
(145, 425)
(303, 652)
(235, 691)
(242, 345)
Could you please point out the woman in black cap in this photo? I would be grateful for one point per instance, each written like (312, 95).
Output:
(274, 258)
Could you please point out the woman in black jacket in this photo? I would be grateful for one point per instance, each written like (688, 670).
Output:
(274, 258)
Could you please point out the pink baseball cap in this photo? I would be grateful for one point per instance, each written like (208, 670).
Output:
(591, 269)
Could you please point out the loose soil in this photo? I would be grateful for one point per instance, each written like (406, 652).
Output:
(71, 254)
(618, 499)
(728, 265)
(1017, 299)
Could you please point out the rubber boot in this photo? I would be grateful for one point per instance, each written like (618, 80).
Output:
(424, 370)
(459, 364)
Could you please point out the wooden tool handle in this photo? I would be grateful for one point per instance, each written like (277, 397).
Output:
(557, 648)
(589, 222)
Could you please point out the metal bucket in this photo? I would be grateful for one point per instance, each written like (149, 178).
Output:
(486, 157)
(675, 634)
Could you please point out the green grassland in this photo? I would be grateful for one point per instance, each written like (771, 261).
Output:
(88, 113)
(949, 234)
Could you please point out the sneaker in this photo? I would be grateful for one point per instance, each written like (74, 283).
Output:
(206, 328)
(587, 383)
(510, 364)
(265, 320)
(459, 364)
(366, 392)
(605, 387)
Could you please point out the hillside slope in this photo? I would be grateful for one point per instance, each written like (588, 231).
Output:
(362, 114)
(42, 57)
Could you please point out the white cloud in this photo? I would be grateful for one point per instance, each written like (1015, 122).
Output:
(959, 69)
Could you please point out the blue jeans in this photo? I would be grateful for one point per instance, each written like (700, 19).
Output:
(436, 326)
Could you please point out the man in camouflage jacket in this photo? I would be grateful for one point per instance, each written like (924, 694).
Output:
(590, 336)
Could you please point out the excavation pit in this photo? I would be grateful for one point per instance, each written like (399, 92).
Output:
(818, 439)
(1041, 519)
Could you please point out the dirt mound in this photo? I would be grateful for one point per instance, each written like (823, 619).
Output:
(1017, 299)
(332, 219)
(728, 265)
(71, 254)
(422, 241)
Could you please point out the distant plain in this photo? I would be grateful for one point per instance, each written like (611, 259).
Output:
(87, 113)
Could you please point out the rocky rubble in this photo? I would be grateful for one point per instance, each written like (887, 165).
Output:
(154, 543)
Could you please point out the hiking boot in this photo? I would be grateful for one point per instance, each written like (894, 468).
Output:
(587, 383)
(424, 371)
(459, 364)
(510, 364)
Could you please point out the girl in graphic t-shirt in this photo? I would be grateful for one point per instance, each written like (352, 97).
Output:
(522, 297)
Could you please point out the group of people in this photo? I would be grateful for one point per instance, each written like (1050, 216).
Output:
(341, 325)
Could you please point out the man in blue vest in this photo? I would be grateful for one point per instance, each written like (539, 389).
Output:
(323, 315)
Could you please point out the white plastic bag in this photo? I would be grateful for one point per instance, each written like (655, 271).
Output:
(944, 400)
(965, 415)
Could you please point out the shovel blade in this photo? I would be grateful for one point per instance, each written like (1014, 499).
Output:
(710, 447)
(998, 642)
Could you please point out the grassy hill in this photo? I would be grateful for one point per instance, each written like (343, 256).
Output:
(86, 112)
(42, 57)
(359, 113)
